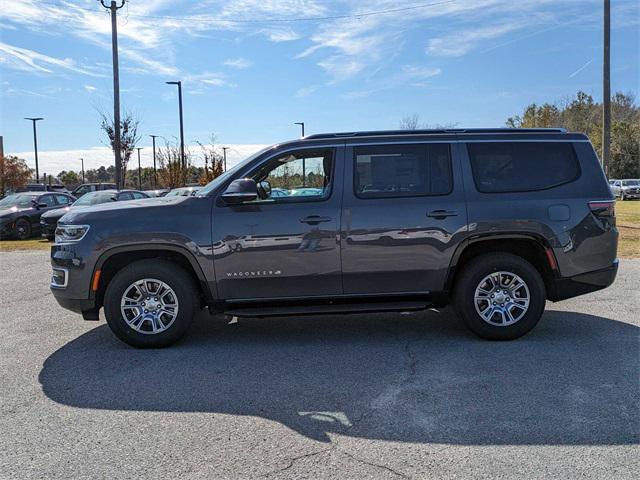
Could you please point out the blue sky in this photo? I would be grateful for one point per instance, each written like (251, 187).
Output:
(251, 68)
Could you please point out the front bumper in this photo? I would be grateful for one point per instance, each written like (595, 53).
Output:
(47, 230)
(569, 287)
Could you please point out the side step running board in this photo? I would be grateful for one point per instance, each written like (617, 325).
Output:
(283, 310)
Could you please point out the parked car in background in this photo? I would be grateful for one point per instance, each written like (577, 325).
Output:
(183, 192)
(49, 220)
(20, 212)
(626, 189)
(157, 193)
(42, 187)
(92, 187)
(493, 221)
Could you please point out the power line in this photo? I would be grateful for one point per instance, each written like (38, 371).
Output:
(208, 19)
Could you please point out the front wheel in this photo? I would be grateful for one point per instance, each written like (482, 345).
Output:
(150, 303)
(500, 296)
(23, 229)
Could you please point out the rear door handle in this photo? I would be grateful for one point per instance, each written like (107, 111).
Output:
(440, 214)
(314, 219)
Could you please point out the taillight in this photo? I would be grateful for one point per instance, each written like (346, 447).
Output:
(604, 210)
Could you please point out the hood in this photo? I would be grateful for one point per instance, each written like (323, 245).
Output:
(7, 212)
(120, 209)
(56, 213)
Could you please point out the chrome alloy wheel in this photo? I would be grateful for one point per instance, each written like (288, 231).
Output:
(502, 298)
(149, 306)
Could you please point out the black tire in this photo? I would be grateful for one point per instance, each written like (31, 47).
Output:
(23, 229)
(171, 274)
(470, 278)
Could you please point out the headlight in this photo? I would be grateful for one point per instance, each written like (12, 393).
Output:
(71, 233)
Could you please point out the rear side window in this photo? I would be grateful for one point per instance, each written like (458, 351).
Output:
(388, 171)
(522, 166)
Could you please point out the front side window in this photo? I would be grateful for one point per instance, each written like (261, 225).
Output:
(500, 167)
(47, 200)
(63, 200)
(388, 171)
(303, 174)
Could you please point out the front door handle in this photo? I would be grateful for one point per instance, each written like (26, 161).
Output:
(441, 214)
(315, 219)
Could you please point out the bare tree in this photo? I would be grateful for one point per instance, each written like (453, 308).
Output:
(171, 172)
(128, 137)
(410, 122)
(213, 160)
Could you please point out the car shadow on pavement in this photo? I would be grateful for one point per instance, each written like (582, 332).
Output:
(411, 378)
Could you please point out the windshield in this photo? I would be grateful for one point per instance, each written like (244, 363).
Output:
(216, 182)
(93, 198)
(17, 201)
(631, 183)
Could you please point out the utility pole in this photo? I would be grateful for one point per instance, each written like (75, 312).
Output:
(139, 170)
(155, 176)
(606, 90)
(179, 84)
(35, 143)
(224, 155)
(113, 7)
(82, 160)
(304, 167)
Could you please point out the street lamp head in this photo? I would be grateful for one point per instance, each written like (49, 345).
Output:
(173, 83)
(33, 119)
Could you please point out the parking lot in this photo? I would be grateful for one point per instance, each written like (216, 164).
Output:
(362, 396)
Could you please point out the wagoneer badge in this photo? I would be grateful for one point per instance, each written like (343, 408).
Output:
(256, 273)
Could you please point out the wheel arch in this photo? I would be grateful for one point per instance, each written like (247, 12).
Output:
(111, 261)
(533, 248)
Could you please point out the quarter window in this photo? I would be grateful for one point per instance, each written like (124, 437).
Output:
(522, 166)
(387, 171)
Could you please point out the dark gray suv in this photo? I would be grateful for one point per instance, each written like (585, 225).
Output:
(493, 221)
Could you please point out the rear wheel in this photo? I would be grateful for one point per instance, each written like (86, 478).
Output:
(23, 229)
(500, 296)
(150, 303)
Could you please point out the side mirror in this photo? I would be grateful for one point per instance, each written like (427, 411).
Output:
(114, 198)
(264, 189)
(240, 190)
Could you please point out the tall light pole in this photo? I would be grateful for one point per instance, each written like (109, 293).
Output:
(155, 175)
(224, 155)
(82, 160)
(139, 170)
(304, 167)
(35, 142)
(113, 8)
(179, 84)
(606, 90)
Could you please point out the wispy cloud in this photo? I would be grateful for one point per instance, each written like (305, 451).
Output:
(31, 61)
(239, 63)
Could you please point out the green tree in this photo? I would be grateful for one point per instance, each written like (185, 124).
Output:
(582, 114)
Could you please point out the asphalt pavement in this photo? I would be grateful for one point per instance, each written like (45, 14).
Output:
(359, 396)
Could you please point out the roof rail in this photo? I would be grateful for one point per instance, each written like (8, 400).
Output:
(444, 131)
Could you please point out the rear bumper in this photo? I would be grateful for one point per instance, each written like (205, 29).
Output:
(563, 288)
